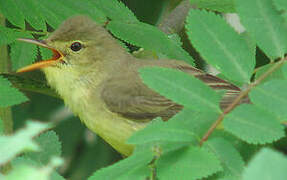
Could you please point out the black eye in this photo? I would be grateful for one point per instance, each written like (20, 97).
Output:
(76, 46)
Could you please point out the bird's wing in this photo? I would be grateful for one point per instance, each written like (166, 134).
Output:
(130, 97)
(133, 99)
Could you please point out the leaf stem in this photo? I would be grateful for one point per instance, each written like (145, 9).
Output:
(243, 94)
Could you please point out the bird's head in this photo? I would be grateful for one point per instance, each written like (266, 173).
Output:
(78, 42)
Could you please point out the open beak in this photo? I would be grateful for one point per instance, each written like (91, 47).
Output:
(57, 56)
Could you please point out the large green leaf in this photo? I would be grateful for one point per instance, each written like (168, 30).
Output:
(215, 5)
(277, 74)
(163, 131)
(150, 38)
(20, 141)
(27, 170)
(253, 124)
(220, 45)
(1, 127)
(8, 95)
(50, 146)
(281, 6)
(272, 97)
(116, 10)
(196, 121)
(12, 12)
(55, 12)
(27, 162)
(22, 54)
(133, 167)
(229, 157)
(267, 165)
(187, 163)
(32, 14)
(9, 35)
(181, 88)
(265, 24)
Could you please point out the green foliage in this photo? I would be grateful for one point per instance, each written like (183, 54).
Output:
(225, 6)
(20, 141)
(1, 127)
(253, 124)
(53, 12)
(265, 165)
(233, 58)
(281, 6)
(49, 146)
(11, 10)
(150, 38)
(163, 150)
(116, 10)
(22, 54)
(27, 169)
(170, 131)
(271, 36)
(271, 96)
(229, 157)
(188, 163)
(134, 167)
(278, 74)
(8, 95)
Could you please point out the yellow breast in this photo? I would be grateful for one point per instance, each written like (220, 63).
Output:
(82, 95)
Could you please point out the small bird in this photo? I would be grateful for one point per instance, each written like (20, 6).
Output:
(99, 81)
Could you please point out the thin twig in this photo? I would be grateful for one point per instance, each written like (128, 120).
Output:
(243, 94)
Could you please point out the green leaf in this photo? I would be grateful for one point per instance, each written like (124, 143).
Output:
(225, 6)
(253, 125)
(197, 122)
(86, 7)
(50, 146)
(163, 131)
(267, 164)
(32, 14)
(190, 91)
(281, 6)
(20, 141)
(1, 127)
(22, 54)
(133, 166)
(56, 11)
(271, 37)
(150, 38)
(45, 53)
(12, 12)
(8, 95)
(229, 157)
(211, 36)
(28, 171)
(277, 74)
(116, 10)
(28, 84)
(53, 12)
(284, 70)
(24, 161)
(272, 97)
(7, 35)
(187, 163)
